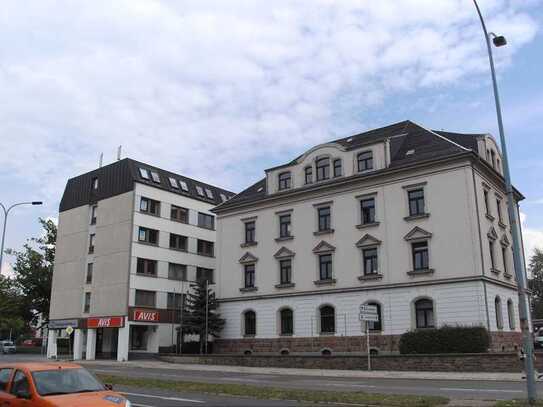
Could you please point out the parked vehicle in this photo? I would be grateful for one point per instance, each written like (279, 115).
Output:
(54, 385)
(7, 347)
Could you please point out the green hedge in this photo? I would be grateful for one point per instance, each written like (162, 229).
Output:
(447, 339)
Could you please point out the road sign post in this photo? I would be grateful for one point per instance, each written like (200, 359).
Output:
(368, 313)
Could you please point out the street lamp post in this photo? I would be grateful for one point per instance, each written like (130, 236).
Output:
(6, 213)
(520, 272)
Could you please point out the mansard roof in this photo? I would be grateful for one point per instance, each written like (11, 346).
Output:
(405, 136)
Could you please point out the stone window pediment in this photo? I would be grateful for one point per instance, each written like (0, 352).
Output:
(417, 234)
(284, 253)
(323, 247)
(248, 258)
(367, 241)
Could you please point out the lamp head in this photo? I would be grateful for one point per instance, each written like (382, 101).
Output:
(499, 40)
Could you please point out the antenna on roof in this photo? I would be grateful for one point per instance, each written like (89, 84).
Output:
(119, 153)
(101, 160)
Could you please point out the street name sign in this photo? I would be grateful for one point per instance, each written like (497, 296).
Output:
(368, 313)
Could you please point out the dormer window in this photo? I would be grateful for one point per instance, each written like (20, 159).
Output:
(308, 175)
(144, 173)
(323, 169)
(493, 158)
(209, 193)
(284, 181)
(173, 183)
(338, 171)
(223, 197)
(199, 190)
(365, 161)
(155, 177)
(184, 186)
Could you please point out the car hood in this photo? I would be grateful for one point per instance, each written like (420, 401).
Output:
(95, 399)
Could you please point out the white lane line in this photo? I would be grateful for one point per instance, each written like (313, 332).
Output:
(239, 379)
(161, 397)
(350, 385)
(482, 390)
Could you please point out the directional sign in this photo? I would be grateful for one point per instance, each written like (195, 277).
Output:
(69, 330)
(368, 313)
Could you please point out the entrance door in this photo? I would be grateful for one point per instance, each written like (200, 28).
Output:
(114, 342)
(99, 342)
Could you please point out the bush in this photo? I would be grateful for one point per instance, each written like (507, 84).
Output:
(447, 339)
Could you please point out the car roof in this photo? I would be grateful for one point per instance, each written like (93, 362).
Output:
(39, 366)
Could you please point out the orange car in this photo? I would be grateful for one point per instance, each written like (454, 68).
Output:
(54, 384)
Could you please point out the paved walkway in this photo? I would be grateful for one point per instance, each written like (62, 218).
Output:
(483, 376)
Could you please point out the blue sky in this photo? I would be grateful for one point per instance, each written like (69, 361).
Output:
(221, 90)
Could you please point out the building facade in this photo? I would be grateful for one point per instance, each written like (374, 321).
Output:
(131, 238)
(407, 219)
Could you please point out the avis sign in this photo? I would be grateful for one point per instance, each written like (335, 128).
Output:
(105, 322)
(146, 315)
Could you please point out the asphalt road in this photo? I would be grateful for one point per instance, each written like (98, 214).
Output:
(477, 390)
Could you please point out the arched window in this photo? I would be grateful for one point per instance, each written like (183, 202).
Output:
(328, 319)
(498, 309)
(376, 326)
(287, 321)
(424, 313)
(511, 314)
(365, 161)
(323, 168)
(249, 319)
(284, 181)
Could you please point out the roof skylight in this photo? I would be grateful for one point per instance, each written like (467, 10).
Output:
(155, 177)
(144, 173)
(184, 186)
(209, 193)
(173, 183)
(200, 190)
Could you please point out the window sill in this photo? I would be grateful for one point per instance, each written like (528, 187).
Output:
(177, 250)
(327, 334)
(495, 271)
(205, 227)
(248, 244)
(420, 272)
(489, 217)
(287, 335)
(248, 289)
(249, 336)
(284, 239)
(147, 243)
(502, 225)
(369, 277)
(204, 254)
(146, 275)
(323, 232)
(285, 285)
(508, 275)
(367, 225)
(150, 214)
(329, 281)
(415, 217)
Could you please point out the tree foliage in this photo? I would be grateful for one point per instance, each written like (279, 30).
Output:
(195, 315)
(536, 282)
(33, 273)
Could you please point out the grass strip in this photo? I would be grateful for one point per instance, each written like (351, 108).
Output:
(518, 403)
(272, 393)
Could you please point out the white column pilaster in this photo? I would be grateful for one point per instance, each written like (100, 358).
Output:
(123, 342)
(52, 344)
(78, 344)
(91, 344)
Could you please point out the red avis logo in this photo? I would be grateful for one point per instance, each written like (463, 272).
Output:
(149, 316)
(104, 322)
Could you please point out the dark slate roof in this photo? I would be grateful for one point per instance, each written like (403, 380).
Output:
(120, 177)
(409, 143)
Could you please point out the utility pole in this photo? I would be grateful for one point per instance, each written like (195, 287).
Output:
(207, 311)
(520, 271)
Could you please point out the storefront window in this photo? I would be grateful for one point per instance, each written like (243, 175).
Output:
(138, 337)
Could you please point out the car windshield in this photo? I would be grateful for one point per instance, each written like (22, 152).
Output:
(65, 381)
(8, 343)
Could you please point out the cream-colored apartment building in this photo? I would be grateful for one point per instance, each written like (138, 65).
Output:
(408, 219)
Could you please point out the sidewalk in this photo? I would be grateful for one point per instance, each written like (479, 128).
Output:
(461, 376)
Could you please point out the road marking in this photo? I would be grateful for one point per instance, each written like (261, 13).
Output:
(349, 385)
(482, 390)
(162, 397)
(239, 379)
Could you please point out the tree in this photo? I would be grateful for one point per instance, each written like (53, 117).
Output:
(11, 310)
(33, 269)
(195, 319)
(536, 283)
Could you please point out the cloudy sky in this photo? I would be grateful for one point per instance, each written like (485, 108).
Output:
(220, 90)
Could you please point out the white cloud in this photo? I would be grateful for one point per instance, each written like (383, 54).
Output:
(6, 270)
(532, 238)
(209, 88)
